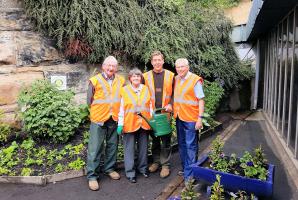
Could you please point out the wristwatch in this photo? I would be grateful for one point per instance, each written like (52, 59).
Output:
(201, 116)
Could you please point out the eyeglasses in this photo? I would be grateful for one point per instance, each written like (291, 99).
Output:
(110, 65)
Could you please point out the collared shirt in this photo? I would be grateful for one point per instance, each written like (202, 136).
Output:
(108, 79)
(198, 89)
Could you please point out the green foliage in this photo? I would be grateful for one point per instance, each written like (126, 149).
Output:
(77, 164)
(178, 28)
(253, 166)
(26, 172)
(242, 195)
(59, 168)
(4, 129)
(27, 144)
(49, 113)
(217, 190)
(218, 3)
(25, 159)
(86, 137)
(188, 193)
(213, 93)
(8, 158)
(77, 149)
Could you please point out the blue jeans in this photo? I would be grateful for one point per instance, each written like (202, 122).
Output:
(188, 146)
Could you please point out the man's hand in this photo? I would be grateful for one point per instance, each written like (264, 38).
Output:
(199, 124)
(168, 108)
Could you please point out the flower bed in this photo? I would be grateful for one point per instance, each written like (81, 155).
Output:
(234, 182)
(26, 157)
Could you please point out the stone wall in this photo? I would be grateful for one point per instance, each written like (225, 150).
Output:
(26, 56)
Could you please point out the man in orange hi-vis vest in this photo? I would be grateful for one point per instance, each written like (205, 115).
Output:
(160, 83)
(103, 97)
(188, 111)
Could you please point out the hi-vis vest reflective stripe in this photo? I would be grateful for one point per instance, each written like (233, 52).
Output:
(167, 86)
(134, 104)
(106, 99)
(186, 104)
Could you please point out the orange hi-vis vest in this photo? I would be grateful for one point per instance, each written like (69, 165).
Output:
(167, 86)
(134, 104)
(186, 104)
(106, 99)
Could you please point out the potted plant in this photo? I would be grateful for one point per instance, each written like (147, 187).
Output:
(250, 173)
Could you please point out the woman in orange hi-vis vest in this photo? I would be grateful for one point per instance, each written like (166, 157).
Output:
(188, 111)
(135, 99)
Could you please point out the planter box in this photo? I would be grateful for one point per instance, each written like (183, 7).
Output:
(234, 182)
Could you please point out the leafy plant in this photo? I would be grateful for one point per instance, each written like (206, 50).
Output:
(213, 94)
(218, 3)
(217, 190)
(86, 137)
(77, 164)
(26, 172)
(48, 113)
(188, 193)
(27, 144)
(253, 166)
(59, 168)
(4, 171)
(242, 195)
(29, 161)
(4, 129)
(77, 149)
(8, 156)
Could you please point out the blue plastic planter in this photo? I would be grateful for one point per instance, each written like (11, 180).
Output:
(234, 182)
(174, 198)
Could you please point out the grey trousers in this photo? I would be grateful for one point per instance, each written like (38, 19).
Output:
(140, 137)
(98, 136)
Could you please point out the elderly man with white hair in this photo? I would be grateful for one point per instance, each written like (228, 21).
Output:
(103, 97)
(188, 111)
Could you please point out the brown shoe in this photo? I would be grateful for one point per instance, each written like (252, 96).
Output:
(114, 175)
(154, 167)
(165, 172)
(93, 185)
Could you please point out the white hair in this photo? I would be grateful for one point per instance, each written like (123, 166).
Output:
(182, 61)
(109, 60)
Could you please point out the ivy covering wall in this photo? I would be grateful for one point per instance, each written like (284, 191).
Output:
(92, 29)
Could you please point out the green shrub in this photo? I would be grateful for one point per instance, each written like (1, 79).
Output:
(93, 29)
(48, 113)
(213, 93)
(4, 129)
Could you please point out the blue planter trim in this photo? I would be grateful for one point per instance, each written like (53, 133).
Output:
(234, 182)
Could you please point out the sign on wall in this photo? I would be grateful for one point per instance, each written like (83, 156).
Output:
(59, 81)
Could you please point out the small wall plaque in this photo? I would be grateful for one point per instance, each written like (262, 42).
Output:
(59, 81)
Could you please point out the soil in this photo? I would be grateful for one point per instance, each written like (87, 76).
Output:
(45, 169)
